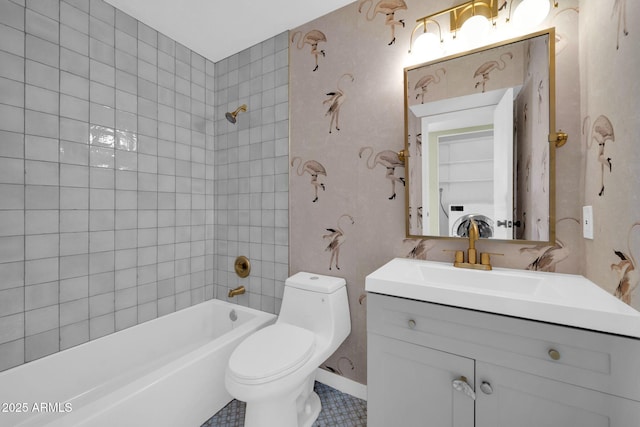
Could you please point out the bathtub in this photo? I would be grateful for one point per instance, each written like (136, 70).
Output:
(165, 372)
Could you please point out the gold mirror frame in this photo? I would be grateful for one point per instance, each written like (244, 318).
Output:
(555, 139)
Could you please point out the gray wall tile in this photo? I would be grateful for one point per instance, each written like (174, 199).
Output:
(11, 40)
(41, 26)
(80, 4)
(40, 345)
(74, 85)
(12, 14)
(41, 221)
(74, 40)
(48, 8)
(102, 224)
(40, 271)
(11, 118)
(250, 177)
(74, 334)
(74, 311)
(11, 328)
(42, 246)
(101, 326)
(74, 62)
(102, 52)
(12, 301)
(102, 31)
(41, 124)
(103, 11)
(43, 51)
(126, 23)
(74, 18)
(12, 66)
(12, 144)
(11, 354)
(41, 320)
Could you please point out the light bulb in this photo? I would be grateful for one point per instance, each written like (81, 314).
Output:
(427, 46)
(475, 30)
(530, 13)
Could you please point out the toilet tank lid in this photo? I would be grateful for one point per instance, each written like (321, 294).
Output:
(315, 282)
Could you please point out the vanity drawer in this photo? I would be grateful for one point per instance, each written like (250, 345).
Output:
(594, 360)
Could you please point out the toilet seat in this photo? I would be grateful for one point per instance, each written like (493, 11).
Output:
(271, 353)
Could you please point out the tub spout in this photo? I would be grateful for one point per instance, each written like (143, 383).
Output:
(237, 291)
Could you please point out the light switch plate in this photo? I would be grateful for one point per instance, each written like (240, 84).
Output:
(587, 222)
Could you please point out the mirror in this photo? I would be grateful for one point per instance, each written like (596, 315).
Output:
(477, 129)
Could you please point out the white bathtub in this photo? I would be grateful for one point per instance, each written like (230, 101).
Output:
(165, 372)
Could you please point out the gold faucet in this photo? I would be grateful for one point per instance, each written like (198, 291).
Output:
(472, 254)
(236, 291)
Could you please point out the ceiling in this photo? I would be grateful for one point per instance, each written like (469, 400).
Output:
(217, 29)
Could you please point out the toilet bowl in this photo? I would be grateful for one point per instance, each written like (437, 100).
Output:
(274, 369)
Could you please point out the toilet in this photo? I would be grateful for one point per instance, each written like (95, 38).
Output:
(274, 369)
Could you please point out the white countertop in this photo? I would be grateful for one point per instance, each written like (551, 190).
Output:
(563, 299)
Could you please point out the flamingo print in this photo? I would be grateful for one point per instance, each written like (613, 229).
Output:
(389, 159)
(626, 270)
(337, 369)
(314, 169)
(601, 132)
(620, 6)
(311, 38)
(418, 225)
(335, 101)
(484, 70)
(540, 92)
(548, 256)
(425, 81)
(421, 249)
(387, 8)
(336, 239)
(362, 298)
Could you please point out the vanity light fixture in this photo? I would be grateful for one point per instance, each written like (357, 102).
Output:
(473, 19)
(470, 18)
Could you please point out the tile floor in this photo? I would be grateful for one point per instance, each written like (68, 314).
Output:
(338, 410)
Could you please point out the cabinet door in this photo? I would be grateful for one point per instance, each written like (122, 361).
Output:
(515, 398)
(411, 386)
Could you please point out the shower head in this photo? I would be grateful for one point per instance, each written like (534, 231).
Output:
(231, 117)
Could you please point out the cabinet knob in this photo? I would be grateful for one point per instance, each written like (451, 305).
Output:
(554, 354)
(412, 324)
(463, 386)
(486, 387)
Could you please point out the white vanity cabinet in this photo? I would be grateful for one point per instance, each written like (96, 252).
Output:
(523, 373)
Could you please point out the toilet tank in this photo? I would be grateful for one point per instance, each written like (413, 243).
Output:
(318, 303)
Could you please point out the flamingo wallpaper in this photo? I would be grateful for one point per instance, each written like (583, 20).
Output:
(610, 111)
(347, 203)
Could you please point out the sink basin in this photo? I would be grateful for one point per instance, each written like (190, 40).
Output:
(475, 281)
(563, 299)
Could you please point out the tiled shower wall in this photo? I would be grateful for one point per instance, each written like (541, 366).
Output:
(106, 175)
(251, 172)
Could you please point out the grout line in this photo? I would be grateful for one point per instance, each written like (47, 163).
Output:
(24, 189)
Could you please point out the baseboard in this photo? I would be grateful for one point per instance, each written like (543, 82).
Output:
(342, 384)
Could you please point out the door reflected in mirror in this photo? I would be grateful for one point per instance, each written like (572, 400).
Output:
(477, 128)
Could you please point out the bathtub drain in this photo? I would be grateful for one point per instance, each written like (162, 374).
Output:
(233, 316)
